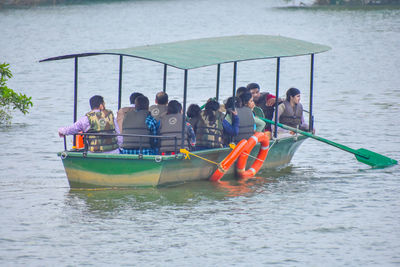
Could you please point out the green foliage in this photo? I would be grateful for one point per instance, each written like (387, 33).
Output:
(10, 100)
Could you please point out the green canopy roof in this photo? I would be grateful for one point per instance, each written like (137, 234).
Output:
(198, 53)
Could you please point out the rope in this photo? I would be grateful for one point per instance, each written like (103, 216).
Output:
(232, 145)
(187, 153)
(253, 157)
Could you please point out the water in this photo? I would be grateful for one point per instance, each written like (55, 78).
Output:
(324, 208)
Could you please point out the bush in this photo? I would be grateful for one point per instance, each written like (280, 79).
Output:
(10, 100)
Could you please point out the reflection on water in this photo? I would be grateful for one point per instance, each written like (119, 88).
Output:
(152, 198)
(112, 200)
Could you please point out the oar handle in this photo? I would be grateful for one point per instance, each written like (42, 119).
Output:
(343, 147)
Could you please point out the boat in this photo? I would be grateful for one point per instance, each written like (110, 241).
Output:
(92, 170)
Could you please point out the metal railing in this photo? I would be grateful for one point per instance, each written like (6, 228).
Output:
(141, 137)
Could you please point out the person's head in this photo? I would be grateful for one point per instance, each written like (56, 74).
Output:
(174, 107)
(231, 105)
(133, 97)
(193, 111)
(210, 109)
(254, 90)
(247, 100)
(293, 95)
(97, 102)
(161, 98)
(141, 103)
(241, 90)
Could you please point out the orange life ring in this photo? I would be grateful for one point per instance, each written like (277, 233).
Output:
(228, 161)
(258, 137)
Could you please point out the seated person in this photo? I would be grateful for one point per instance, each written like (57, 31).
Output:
(121, 113)
(256, 110)
(171, 125)
(160, 108)
(98, 120)
(241, 90)
(265, 101)
(193, 114)
(247, 100)
(231, 121)
(140, 122)
(290, 112)
(247, 124)
(209, 127)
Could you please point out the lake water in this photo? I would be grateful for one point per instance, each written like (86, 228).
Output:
(325, 208)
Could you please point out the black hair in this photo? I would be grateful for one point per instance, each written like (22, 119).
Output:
(174, 107)
(141, 103)
(242, 90)
(246, 97)
(230, 105)
(95, 101)
(162, 98)
(292, 92)
(133, 97)
(210, 109)
(193, 111)
(251, 86)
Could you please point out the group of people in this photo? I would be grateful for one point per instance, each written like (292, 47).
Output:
(215, 126)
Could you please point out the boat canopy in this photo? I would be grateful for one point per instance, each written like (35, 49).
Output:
(192, 54)
(197, 53)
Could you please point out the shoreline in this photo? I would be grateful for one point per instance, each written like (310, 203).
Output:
(316, 3)
(33, 3)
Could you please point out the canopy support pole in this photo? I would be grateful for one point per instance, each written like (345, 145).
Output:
(218, 78)
(165, 79)
(76, 89)
(121, 60)
(278, 66)
(311, 118)
(75, 96)
(184, 109)
(234, 79)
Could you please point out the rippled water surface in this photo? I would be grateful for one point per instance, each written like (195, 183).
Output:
(325, 208)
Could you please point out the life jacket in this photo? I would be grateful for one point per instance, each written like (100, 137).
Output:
(135, 123)
(171, 125)
(291, 116)
(209, 134)
(121, 115)
(157, 111)
(101, 122)
(257, 111)
(246, 123)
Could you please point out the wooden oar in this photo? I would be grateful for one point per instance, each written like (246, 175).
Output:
(363, 155)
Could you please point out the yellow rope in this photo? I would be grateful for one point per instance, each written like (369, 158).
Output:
(187, 153)
(232, 145)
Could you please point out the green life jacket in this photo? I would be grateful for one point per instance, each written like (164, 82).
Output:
(258, 112)
(101, 122)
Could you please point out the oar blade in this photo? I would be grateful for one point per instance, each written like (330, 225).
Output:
(374, 159)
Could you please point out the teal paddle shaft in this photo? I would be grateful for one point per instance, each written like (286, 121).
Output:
(363, 155)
